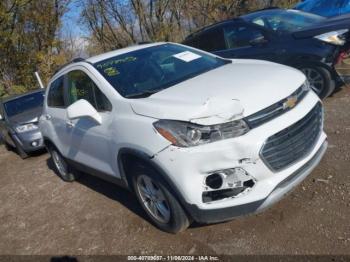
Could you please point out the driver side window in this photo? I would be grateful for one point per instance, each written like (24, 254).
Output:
(80, 86)
(237, 36)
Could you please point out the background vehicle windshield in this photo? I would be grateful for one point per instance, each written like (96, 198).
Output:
(284, 20)
(147, 71)
(25, 103)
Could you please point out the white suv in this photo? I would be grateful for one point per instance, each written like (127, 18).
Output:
(195, 136)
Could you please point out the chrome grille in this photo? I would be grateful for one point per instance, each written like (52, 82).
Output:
(294, 142)
(276, 109)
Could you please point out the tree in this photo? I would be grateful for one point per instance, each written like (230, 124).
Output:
(28, 40)
(115, 24)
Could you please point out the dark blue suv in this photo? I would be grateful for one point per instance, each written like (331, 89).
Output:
(326, 8)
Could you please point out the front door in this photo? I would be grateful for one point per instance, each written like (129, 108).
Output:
(246, 41)
(90, 143)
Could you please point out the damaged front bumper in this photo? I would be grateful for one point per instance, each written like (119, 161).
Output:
(342, 67)
(187, 169)
(283, 188)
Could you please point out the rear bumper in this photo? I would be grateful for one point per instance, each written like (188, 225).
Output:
(283, 188)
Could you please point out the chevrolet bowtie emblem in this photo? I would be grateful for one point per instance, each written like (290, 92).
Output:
(291, 102)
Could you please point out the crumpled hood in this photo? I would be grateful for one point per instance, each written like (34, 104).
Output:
(227, 93)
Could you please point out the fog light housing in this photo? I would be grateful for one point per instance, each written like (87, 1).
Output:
(214, 181)
(227, 183)
(34, 143)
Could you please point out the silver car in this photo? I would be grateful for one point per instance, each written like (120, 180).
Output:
(19, 116)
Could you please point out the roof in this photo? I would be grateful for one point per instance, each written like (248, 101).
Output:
(13, 97)
(205, 28)
(199, 31)
(107, 55)
(101, 57)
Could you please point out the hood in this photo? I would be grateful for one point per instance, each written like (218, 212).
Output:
(327, 25)
(227, 93)
(26, 117)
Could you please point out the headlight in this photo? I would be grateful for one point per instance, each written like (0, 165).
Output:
(334, 37)
(26, 128)
(185, 134)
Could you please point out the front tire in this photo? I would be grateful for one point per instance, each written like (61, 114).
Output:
(63, 169)
(320, 80)
(156, 199)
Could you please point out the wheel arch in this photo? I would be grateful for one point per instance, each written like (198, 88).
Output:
(300, 62)
(129, 154)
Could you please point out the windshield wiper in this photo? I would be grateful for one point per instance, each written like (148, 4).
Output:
(144, 94)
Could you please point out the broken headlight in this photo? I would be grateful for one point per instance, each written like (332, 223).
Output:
(185, 134)
(334, 37)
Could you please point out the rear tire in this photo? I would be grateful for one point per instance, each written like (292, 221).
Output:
(158, 201)
(320, 80)
(63, 169)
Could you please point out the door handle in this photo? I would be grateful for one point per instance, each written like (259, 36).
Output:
(70, 124)
(48, 117)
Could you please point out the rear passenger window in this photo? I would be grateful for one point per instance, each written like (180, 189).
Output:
(213, 40)
(80, 86)
(55, 97)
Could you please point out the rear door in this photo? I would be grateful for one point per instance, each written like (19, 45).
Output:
(55, 116)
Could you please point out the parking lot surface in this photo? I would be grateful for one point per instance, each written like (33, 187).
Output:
(41, 214)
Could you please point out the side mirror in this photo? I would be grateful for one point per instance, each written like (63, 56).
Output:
(1, 118)
(83, 108)
(260, 40)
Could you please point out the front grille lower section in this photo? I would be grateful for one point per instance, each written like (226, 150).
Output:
(293, 143)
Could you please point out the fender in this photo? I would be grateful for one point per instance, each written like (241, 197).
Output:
(148, 159)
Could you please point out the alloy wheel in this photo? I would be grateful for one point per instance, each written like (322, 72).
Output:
(315, 78)
(59, 163)
(153, 199)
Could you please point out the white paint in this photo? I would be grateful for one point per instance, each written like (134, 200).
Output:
(187, 56)
(218, 96)
(83, 108)
(39, 80)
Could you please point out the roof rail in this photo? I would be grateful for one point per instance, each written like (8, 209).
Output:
(210, 26)
(75, 60)
(266, 8)
(144, 42)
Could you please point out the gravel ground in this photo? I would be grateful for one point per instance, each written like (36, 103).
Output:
(40, 214)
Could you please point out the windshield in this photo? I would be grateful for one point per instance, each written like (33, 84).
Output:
(25, 103)
(144, 72)
(284, 20)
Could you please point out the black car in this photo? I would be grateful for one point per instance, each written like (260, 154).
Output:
(311, 43)
(19, 117)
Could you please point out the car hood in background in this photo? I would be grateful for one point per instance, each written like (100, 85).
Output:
(328, 25)
(26, 117)
(227, 93)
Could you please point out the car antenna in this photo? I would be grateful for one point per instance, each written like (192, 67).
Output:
(39, 80)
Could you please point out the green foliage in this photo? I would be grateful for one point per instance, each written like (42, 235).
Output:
(29, 29)
(28, 40)
(114, 24)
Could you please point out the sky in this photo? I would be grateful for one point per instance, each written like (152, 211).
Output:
(71, 21)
